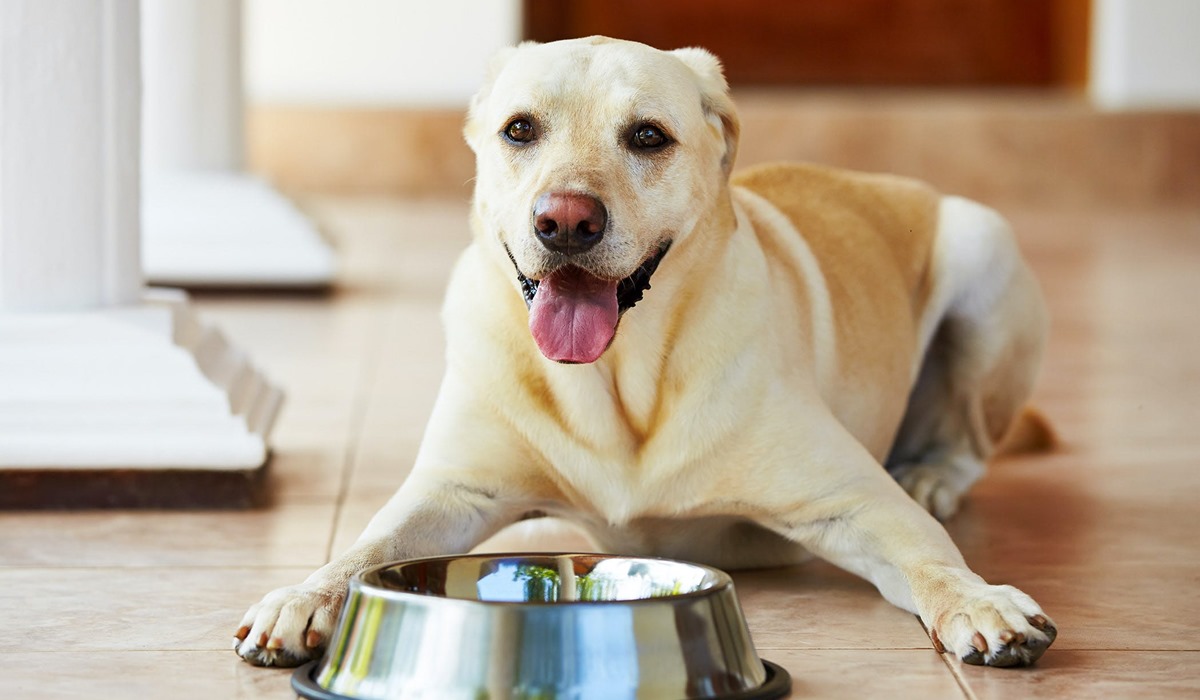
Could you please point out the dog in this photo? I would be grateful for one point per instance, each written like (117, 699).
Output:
(734, 369)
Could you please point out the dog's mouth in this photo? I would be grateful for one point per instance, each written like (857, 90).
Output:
(573, 314)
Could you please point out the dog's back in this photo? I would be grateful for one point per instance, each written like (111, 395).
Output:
(871, 241)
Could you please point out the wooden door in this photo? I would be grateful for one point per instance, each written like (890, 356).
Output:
(846, 42)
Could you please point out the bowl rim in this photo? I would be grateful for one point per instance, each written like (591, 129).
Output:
(723, 581)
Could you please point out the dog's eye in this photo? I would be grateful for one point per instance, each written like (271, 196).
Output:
(648, 136)
(519, 131)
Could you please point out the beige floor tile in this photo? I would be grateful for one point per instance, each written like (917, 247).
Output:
(817, 606)
(131, 609)
(287, 535)
(381, 464)
(310, 451)
(354, 515)
(314, 347)
(410, 368)
(397, 407)
(1107, 550)
(1123, 341)
(395, 247)
(1065, 675)
(305, 475)
(138, 675)
(837, 674)
(1120, 606)
(399, 401)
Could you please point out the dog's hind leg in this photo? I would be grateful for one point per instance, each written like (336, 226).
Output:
(986, 325)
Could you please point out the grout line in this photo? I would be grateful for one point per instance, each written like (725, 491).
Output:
(358, 420)
(944, 657)
(955, 673)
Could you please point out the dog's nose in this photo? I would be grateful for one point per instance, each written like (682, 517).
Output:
(569, 222)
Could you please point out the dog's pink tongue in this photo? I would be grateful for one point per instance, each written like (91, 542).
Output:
(573, 315)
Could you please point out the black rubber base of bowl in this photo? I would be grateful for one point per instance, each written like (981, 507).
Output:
(777, 685)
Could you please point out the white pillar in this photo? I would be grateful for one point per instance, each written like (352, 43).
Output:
(68, 134)
(192, 69)
(108, 395)
(206, 222)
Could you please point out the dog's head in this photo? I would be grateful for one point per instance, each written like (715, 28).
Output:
(593, 157)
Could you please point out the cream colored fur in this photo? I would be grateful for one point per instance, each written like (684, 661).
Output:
(809, 331)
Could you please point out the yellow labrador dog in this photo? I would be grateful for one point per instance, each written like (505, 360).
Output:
(737, 370)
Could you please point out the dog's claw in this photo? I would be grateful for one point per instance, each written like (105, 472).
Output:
(1010, 637)
(1040, 622)
(977, 656)
(937, 643)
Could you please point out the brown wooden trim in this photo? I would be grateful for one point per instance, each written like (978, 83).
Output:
(1035, 148)
(391, 152)
(1073, 28)
(832, 42)
(546, 20)
(179, 489)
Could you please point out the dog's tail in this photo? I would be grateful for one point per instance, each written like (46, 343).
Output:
(1030, 433)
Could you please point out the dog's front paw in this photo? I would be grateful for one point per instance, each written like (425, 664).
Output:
(289, 626)
(994, 626)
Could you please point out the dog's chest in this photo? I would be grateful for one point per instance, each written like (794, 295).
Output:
(634, 442)
(638, 393)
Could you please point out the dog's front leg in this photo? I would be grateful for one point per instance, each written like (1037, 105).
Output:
(467, 484)
(426, 517)
(868, 525)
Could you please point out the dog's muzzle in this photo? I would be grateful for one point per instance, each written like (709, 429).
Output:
(629, 290)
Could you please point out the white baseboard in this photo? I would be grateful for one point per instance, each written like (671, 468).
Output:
(141, 387)
(227, 229)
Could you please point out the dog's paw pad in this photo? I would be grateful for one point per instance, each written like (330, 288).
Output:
(1014, 649)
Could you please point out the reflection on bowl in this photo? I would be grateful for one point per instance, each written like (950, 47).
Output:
(541, 626)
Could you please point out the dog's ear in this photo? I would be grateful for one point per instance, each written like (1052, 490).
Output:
(715, 99)
(473, 130)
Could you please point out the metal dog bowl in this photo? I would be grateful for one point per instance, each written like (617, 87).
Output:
(569, 626)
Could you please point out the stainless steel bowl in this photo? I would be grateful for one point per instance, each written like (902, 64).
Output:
(569, 626)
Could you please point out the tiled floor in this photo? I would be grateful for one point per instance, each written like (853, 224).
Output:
(1102, 532)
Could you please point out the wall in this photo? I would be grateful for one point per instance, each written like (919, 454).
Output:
(1146, 53)
(373, 53)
